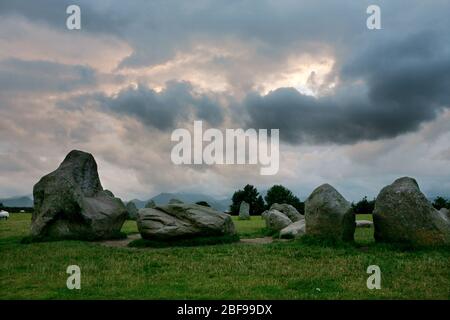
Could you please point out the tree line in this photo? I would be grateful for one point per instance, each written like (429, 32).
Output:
(281, 194)
(16, 209)
(258, 204)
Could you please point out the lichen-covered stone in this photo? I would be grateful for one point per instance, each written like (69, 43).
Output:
(403, 214)
(71, 203)
(183, 220)
(329, 215)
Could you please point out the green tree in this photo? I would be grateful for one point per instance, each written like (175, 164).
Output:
(364, 206)
(440, 203)
(280, 194)
(250, 195)
(1, 205)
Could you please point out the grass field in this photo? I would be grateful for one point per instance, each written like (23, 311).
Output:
(301, 269)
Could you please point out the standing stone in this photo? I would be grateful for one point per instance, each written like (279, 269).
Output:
(403, 214)
(288, 210)
(276, 220)
(176, 221)
(329, 215)
(132, 210)
(70, 203)
(244, 211)
(150, 204)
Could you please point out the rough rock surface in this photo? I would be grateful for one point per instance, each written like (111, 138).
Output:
(265, 214)
(294, 230)
(244, 211)
(183, 221)
(445, 212)
(109, 193)
(329, 215)
(276, 220)
(71, 203)
(403, 214)
(132, 210)
(288, 210)
(364, 223)
(175, 201)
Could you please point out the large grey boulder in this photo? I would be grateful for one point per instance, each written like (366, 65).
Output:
(294, 230)
(403, 214)
(175, 201)
(265, 214)
(70, 202)
(288, 210)
(183, 220)
(109, 193)
(445, 212)
(329, 215)
(132, 210)
(244, 211)
(276, 220)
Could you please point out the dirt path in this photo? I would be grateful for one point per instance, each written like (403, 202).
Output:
(264, 240)
(123, 243)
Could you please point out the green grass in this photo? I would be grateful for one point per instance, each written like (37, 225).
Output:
(130, 227)
(281, 270)
(253, 228)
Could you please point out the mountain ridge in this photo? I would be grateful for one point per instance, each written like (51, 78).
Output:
(165, 197)
(18, 201)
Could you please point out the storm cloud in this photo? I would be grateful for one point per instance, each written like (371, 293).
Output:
(44, 76)
(175, 105)
(355, 107)
(386, 90)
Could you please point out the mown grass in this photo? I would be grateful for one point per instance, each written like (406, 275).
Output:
(130, 227)
(253, 228)
(303, 269)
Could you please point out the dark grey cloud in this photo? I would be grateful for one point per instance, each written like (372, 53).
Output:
(159, 29)
(96, 16)
(388, 88)
(43, 76)
(176, 104)
(391, 82)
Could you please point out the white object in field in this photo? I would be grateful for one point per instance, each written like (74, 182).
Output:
(4, 215)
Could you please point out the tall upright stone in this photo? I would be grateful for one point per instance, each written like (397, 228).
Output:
(403, 214)
(70, 202)
(329, 215)
(244, 211)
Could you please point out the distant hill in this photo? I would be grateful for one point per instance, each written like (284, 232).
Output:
(139, 203)
(24, 201)
(165, 197)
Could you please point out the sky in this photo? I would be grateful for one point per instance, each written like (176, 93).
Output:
(356, 108)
